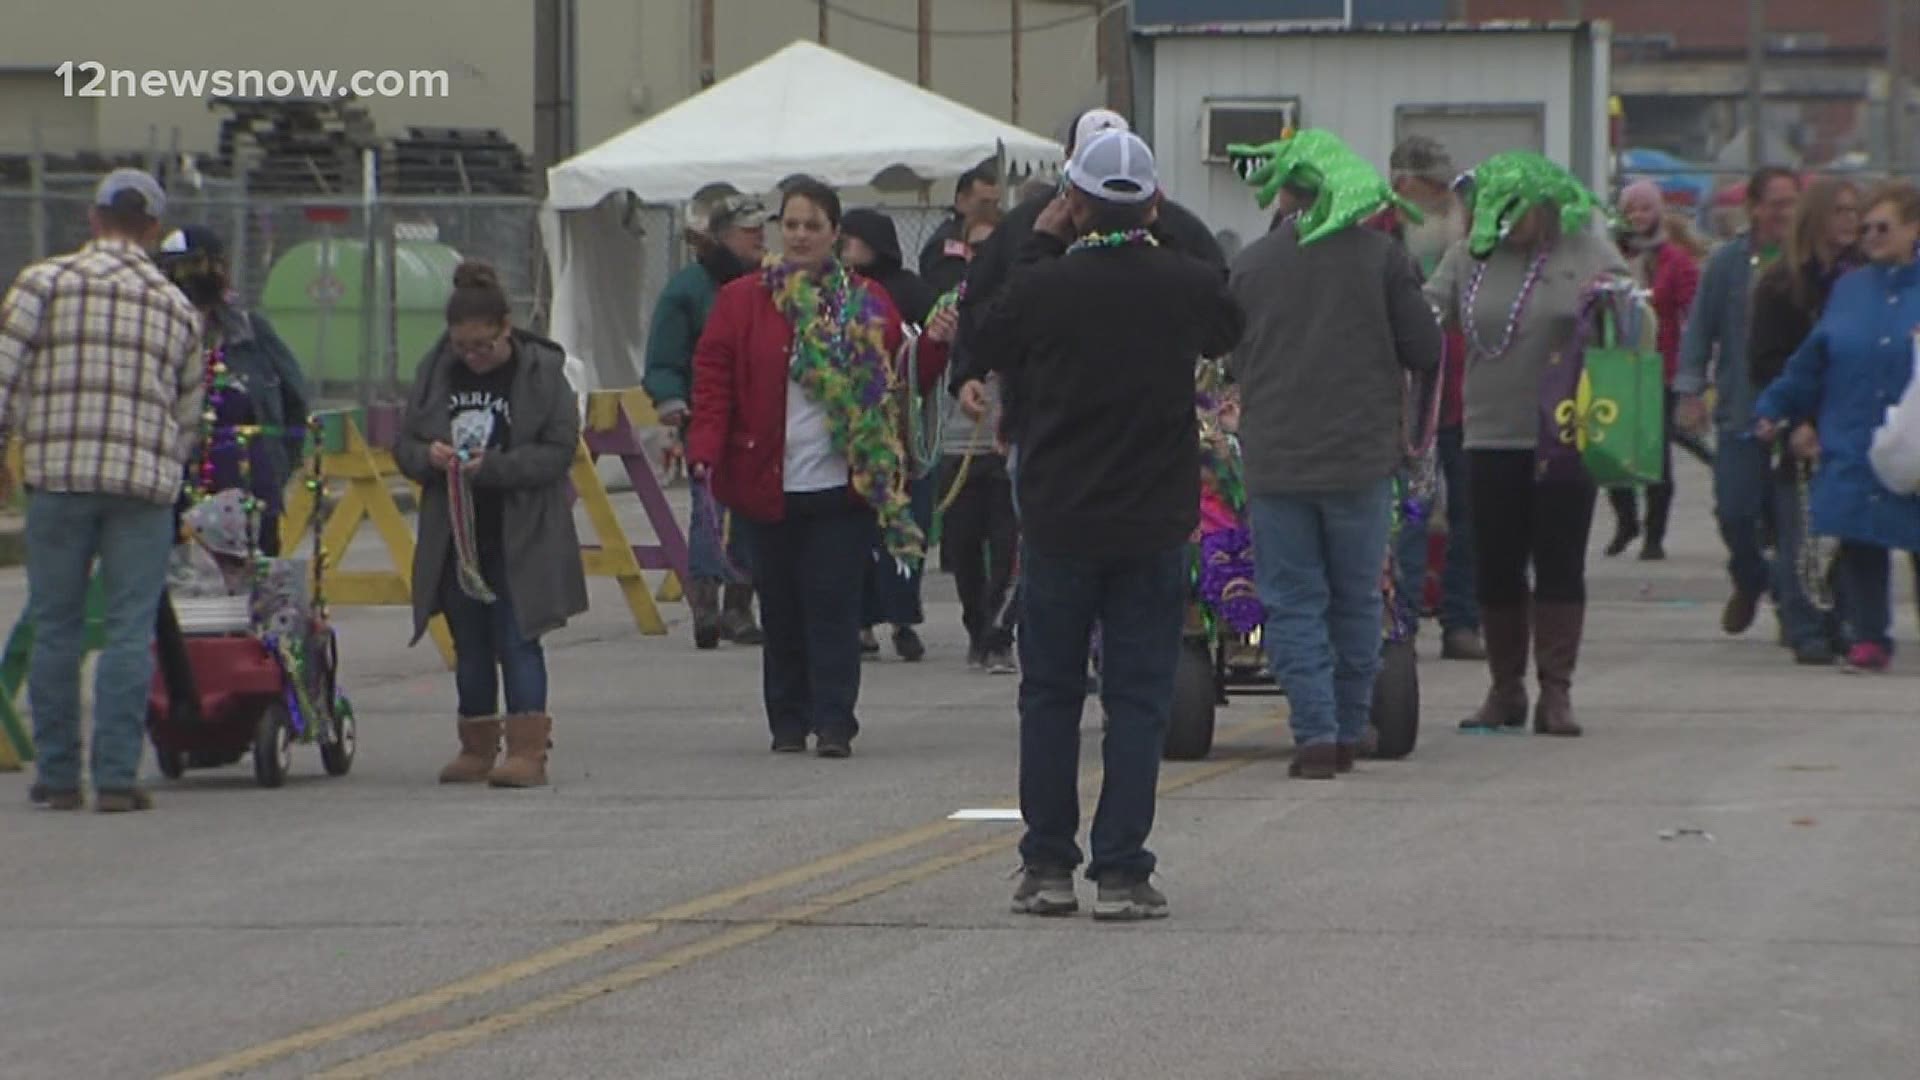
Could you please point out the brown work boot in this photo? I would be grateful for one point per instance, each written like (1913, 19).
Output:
(1321, 761)
(736, 616)
(479, 748)
(1507, 634)
(124, 801)
(703, 597)
(528, 739)
(1556, 646)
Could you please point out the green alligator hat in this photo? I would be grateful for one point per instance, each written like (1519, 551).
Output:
(1350, 190)
(1506, 187)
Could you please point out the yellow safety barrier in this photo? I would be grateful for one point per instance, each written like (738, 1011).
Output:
(614, 418)
(367, 472)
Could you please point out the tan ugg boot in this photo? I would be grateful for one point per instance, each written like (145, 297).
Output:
(528, 738)
(479, 747)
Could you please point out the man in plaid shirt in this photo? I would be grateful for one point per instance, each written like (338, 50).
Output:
(100, 382)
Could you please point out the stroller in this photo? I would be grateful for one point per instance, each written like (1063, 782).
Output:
(245, 672)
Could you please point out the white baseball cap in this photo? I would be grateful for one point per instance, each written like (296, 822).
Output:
(1116, 167)
(1093, 122)
(133, 189)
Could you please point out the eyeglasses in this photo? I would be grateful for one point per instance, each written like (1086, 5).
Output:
(477, 348)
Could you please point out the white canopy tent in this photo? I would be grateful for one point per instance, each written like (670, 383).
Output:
(805, 109)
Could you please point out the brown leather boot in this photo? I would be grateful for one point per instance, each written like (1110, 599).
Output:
(1506, 632)
(1556, 646)
(736, 616)
(479, 746)
(1317, 762)
(529, 736)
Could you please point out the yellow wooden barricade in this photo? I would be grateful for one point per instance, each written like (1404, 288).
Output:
(367, 473)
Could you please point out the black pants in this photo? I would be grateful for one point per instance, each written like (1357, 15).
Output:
(809, 569)
(977, 542)
(1626, 508)
(1520, 522)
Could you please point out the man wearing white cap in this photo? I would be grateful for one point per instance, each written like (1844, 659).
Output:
(1099, 327)
(98, 356)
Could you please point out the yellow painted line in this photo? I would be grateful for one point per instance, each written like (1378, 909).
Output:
(499, 978)
(406, 1055)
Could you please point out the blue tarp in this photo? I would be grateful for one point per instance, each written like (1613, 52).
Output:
(1675, 176)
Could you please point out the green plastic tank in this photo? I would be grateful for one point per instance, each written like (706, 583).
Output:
(313, 297)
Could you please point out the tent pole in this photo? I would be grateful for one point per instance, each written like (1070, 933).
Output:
(926, 43)
(1015, 13)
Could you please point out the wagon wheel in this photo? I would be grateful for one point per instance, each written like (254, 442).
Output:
(1196, 693)
(336, 751)
(273, 745)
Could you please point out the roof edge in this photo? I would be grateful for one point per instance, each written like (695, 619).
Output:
(1302, 27)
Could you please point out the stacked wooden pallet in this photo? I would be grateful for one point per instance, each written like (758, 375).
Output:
(295, 146)
(455, 161)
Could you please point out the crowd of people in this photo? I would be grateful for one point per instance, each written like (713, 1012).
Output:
(1029, 394)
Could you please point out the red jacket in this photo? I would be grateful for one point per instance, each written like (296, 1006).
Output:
(1676, 277)
(739, 427)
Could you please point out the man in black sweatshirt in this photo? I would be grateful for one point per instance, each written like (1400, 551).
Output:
(1100, 326)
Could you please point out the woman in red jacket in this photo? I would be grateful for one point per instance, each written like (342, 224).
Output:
(796, 428)
(1664, 264)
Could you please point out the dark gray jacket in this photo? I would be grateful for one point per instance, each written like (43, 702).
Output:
(1332, 330)
(544, 573)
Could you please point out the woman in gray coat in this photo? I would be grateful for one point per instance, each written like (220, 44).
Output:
(490, 434)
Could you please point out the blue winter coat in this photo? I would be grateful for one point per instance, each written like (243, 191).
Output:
(1855, 364)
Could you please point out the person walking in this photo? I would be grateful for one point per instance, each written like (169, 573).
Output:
(1423, 174)
(490, 433)
(1822, 246)
(870, 246)
(946, 254)
(731, 242)
(1663, 265)
(1855, 364)
(796, 429)
(1722, 316)
(100, 375)
(1515, 288)
(979, 531)
(1334, 325)
(1100, 329)
(263, 387)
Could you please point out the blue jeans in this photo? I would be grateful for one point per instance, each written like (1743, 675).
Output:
(1807, 628)
(1459, 608)
(810, 567)
(1866, 576)
(705, 558)
(488, 647)
(131, 538)
(1742, 482)
(1318, 559)
(889, 596)
(1141, 604)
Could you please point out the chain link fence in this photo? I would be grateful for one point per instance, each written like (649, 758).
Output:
(356, 287)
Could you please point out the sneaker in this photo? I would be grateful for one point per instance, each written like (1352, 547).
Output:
(976, 658)
(1867, 657)
(1121, 900)
(1462, 643)
(1045, 890)
(1653, 551)
(907, 643)
(41, 795)
(1815, 654)
(1000, 662)
(834, 746)
(869, 645)
(121, 802)
(789, 744)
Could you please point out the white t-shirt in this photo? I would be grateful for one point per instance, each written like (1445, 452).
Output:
(809, 463)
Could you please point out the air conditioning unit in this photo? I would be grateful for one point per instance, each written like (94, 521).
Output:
(1253, 121)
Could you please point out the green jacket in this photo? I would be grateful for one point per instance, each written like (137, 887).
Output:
(678, 318)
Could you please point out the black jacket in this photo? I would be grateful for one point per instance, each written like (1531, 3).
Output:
(941, 269)
(1177, 229)
(910, 295)
(1102, 345)
(1780, 323)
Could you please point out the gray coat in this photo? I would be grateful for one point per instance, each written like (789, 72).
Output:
(1332, 330)
(544, 574)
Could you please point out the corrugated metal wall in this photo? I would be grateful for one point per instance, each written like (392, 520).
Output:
(1151, 12)
(1350, 85)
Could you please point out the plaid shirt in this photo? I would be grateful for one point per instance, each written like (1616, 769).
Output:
(98, 366)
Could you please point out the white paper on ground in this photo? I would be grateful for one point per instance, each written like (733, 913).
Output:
(984, 815)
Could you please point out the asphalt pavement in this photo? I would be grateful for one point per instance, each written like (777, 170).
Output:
(1721, 880)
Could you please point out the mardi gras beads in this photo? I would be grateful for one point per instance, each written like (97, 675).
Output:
(1514, 313)
(1125, 238)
